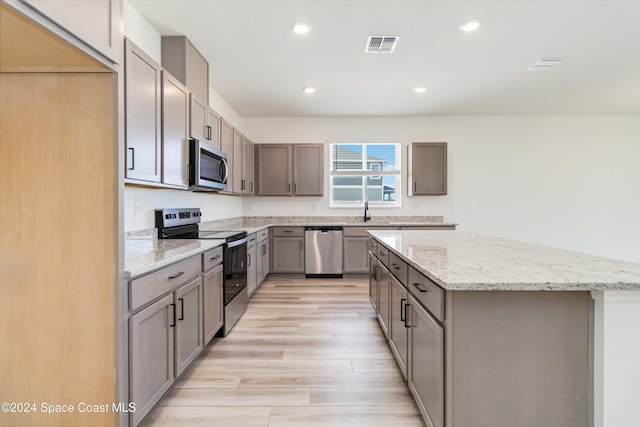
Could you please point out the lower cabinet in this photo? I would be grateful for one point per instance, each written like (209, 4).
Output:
(262, 264)
(398, 323)
(287, 255)
(164, 339)
(252, 268)
(373, 281)
(151, 334)
(383, 297)
(355, 254)
(213, 303)
(426, 372)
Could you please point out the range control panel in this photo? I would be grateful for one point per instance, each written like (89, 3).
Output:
(170, 217)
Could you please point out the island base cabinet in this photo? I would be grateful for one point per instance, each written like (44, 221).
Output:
(373, 282)
(151, 355)
(398, 323)
(252, 271)
(383, 298)
(426, 366)
(355, 254)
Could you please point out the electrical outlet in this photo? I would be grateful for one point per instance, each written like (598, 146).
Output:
(473, 206)
(137, 210)
(314, 207)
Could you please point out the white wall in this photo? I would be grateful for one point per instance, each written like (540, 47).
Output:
(213, 206)
(566, 181)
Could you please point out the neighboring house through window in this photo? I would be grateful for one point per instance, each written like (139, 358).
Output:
(365, 171)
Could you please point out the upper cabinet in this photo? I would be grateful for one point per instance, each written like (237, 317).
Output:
(236, 172)
(183, 60)
(96, 22)
(175, 132)
(143, 115)
(204, 122)
(247, 167)
(226, 145)
(427, 169)
(290, 169)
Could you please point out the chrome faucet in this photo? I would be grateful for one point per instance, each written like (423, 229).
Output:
(367, 217)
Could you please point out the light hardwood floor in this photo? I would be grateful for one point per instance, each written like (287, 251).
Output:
(308, 352)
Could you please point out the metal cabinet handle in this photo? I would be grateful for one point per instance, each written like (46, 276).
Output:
(178, 274)
(375, 272)
(295, 187)
(287, 231)
(406, 317)
(208, 132)
(395, 266)
(403, 314)
(249, 260)
(251, 187)
(301, 245)
(420, 287)
(133, 158)
(414, 186)
(181, 308)
(264, 249)
(214, 257)
(173, 316)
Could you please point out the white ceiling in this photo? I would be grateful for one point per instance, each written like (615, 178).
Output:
(260, 66)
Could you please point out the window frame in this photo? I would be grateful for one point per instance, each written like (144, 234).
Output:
(366, 174)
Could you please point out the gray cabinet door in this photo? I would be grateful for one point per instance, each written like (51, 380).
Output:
(274, 166)
(287, 255)
(213, 303)
(151, 357)
(373, 281)
(308, 170)
(175, 132)
(247, 164)
(252, 170)
(213, 128)
(264, 264)
(189, 337)
(355, 254)
(428, 168)
(426, 364)
(226, 145)
(198, 116)
(398, 326)
(383, 297)
(143, 95)
(237, 162)
(252, 271)
(184, 61)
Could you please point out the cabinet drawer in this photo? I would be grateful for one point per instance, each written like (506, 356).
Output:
(251, 240)
(427, 292)
(287, 231)
(212, 258)
(373, 246)
(382, 254)
(147, 288)
(263, 234)
(398, 268)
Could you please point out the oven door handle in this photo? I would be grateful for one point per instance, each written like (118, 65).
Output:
(237, 242)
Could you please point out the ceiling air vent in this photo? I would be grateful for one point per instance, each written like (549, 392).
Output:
(544, 64)
(381, 44)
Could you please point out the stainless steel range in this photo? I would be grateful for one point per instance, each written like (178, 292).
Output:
(183, 224)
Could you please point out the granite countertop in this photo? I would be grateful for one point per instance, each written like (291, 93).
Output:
(144, 255)
(461, 260)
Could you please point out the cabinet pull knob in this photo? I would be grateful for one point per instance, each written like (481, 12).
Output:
(178, 274)
(403, 315)
(133, 158)
(173, 316)
(181, 308)
(420, 287)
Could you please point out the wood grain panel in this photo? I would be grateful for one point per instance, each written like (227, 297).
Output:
(57, 243)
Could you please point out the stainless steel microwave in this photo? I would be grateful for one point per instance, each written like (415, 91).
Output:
(208, 168)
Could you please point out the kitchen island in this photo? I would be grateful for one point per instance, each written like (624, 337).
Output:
(505, 333)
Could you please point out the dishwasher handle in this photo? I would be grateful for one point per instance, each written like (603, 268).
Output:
(323, 228)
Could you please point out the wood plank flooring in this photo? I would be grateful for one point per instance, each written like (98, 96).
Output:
(308, 352)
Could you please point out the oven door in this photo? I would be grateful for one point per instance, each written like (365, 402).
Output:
(235, 268)
(208, 168)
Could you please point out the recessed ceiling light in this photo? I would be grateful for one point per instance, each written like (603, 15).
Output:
(420, 89)
(300, 28)
(470, 25)
(309, 90)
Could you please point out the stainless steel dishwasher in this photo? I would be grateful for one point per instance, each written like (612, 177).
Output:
(323, 251)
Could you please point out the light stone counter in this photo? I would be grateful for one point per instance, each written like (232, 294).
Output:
(460, 260)
(144, 255)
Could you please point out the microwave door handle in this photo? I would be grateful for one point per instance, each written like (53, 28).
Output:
(226, 170)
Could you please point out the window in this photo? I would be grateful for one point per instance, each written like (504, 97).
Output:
(365, 171)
